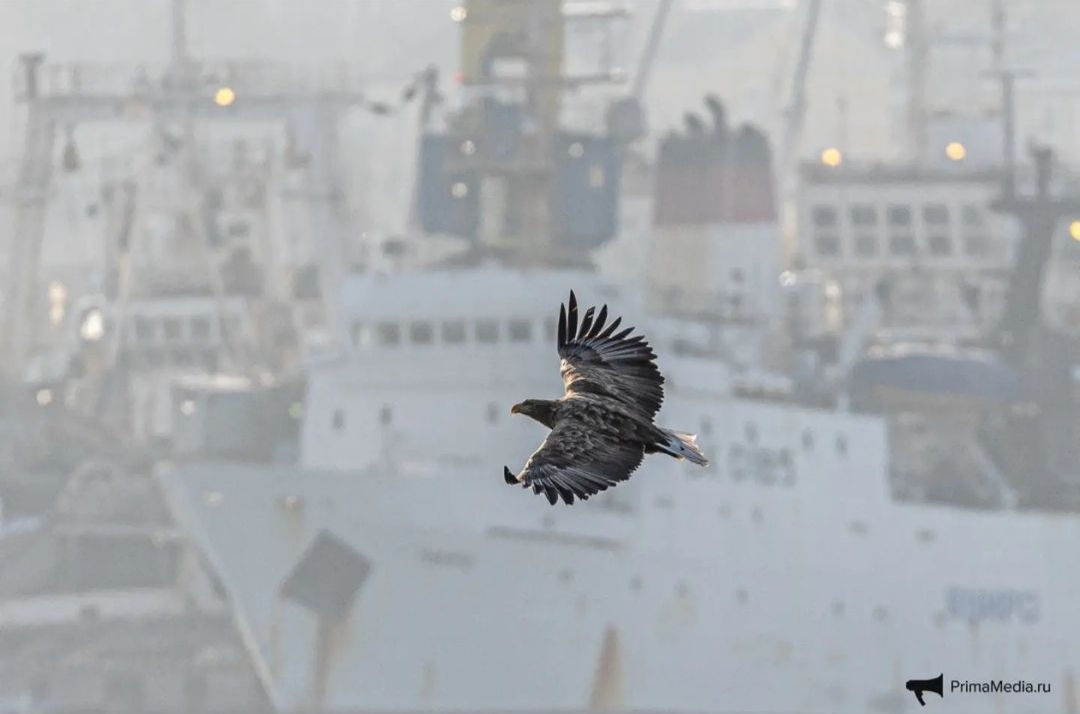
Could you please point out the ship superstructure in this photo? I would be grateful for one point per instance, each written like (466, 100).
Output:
(855, 527)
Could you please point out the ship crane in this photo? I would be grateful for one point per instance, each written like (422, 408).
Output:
(794, 117)
(795, 113)
(626, 116)
(185, 92)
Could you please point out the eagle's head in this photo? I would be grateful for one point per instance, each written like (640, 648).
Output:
(542, 410)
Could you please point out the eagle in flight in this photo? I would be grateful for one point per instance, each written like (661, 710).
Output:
(602, 427)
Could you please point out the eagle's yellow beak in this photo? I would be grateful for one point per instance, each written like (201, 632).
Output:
(516, 409)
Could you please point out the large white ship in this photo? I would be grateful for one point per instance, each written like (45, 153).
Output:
(786, 577)
(867, 517)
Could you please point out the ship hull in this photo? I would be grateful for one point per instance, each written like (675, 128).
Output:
(703, 594)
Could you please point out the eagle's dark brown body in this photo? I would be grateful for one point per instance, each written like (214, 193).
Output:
(603, 426)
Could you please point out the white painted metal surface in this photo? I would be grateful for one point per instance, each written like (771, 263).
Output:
(781, 579)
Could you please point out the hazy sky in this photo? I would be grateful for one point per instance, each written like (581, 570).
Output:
(747, 56)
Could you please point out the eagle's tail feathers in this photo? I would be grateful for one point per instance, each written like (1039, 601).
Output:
(683, 446)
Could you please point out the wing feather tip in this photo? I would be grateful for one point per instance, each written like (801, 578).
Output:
(562, 326)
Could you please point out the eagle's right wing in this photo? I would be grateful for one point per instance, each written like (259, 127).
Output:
(575, 461)
(608, 364)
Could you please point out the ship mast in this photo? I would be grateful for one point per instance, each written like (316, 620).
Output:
(179, 33)
(917, 57)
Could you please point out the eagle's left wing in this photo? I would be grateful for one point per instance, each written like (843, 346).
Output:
(606, 363)
(576, 460)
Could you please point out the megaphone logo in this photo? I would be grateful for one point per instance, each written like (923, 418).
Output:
(919, 686)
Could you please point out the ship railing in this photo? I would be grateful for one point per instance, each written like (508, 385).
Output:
(245, 77)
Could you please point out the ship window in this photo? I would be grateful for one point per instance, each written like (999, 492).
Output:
(144, 329)
(807, 440)
(125, 691)
(751, 433)
(784, 457)
(838, 608)
(706, 426)
(239, 229)
(789, 476)
(200, 328)
(487, 331)
(337, 422)
(972, 215)
(172, 328)
(551, 328)
(453, 332)
(976, 245)
(939, 245)
(824, 216)
(492, 413)
(421, 333)
(902, 244)
(232, 326)
(899, 215)
(389, 333)
(866, 245)
(154, 357)
(827, 245)
(386, 415)
(864, 215)
(841, 444)
(361, 334)
(520, 330)
(936, 214)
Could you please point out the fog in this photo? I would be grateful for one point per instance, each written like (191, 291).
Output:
(289, 291)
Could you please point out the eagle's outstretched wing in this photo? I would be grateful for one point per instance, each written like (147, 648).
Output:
(577, 461)
(605, 363)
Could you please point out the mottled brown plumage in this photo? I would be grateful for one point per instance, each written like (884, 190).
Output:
(602, 427)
